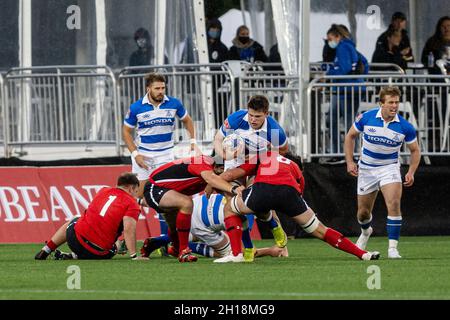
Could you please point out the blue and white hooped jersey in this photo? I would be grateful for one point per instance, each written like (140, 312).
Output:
(256, 140)
(382, 141)
(154, 125)
(210, 211)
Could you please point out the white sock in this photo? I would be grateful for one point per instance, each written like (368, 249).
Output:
(393, 244)
(47, 249)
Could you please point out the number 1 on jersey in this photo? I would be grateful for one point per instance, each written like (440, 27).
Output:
(107, 204)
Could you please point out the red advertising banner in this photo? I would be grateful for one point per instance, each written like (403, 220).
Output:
(36, 201)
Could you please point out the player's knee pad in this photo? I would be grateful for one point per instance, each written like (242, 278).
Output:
(311, 225)
(225, 250)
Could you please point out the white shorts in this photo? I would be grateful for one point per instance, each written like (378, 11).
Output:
(370, 180)
(152, 163)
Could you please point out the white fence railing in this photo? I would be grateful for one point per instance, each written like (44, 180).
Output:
(85, 105)
(333, 106)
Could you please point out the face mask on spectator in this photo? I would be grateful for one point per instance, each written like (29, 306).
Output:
(141, 42)
(214, 34)
(244, 40)
(332, 44)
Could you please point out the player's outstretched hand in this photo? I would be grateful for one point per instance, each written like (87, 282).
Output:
(409, 180)
(141, 162)
(352, 169)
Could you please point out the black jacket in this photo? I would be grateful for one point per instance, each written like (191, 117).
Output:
(383, 55)
(404, 43)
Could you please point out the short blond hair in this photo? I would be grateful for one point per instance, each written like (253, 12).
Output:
(389, 91)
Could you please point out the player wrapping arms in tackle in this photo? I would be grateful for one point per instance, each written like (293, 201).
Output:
(207, 236)
(278, 185)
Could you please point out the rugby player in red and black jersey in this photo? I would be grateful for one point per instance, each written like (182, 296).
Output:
(93, 235)
(169, 191)
(279, 185)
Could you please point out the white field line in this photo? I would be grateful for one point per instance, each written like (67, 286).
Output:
(359, 294)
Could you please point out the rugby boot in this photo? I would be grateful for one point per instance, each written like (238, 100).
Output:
(187, 256)
(393, 253)
(249, 254)
(59, 255)
(375, 255)
(279, 236)
(148, 247)
(41, 255)
(364, 238)
(230, 258)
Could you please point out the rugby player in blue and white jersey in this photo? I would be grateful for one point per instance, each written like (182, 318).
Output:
(260, 133)
(384, 131)
(153, 117)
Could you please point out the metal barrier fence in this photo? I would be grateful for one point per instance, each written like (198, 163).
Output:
(2, 126)
(60, 105)
(206, 91)
(333, 106)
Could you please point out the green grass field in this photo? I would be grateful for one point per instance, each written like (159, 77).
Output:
(313, 271)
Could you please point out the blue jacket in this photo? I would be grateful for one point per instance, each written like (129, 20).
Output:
(346, 60)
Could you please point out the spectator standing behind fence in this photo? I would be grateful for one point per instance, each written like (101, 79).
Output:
(217, 51)
(328, 53)
(246, 48)
(436, 45)
(390, 52)
(398, 22)
(344, 99)
(143, 56)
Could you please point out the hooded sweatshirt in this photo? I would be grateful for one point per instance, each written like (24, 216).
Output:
(251, 51)
(217, 51)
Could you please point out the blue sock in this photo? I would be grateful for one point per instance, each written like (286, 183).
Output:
(394, 224)
(161, 240)
(163, 225)
(273, 223)
(246, 239)
(200, 248)
(251, 220)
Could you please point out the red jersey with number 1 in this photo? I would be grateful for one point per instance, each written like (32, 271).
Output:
(102, 221)
(183, 175)
(273, 168)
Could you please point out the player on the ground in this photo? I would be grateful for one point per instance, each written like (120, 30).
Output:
(207, 236)
(169, 191)
(93, 235)
(278, 185)
(384, 132)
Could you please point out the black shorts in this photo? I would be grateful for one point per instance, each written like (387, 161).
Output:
(75, 245)
(153, 195)
(263, 197)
